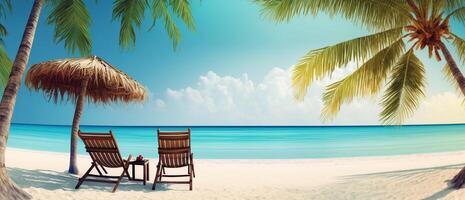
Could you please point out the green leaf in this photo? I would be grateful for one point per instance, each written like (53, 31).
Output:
(367, 80)
(72, 25)
(424, 6)
(445, 5)
(459, 15)
(437, 7)
(5, 6)
(451, 5)
(374, 14)
(451, 79)
(130, 13)
(160, 11)
(3, 31)
(322, 62)
(406, 88)
(459, 44)
(182, 9)
(5, 62)
(5, 67)
(8, 4)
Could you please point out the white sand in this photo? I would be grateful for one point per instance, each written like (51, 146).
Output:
(419, 176)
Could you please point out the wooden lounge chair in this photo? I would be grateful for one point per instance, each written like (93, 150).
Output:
(174, 151)
(104, 152)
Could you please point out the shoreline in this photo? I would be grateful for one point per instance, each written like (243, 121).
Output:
(325, 178)
(445, 153)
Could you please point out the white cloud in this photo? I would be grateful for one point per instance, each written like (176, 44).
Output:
(442, 108)
(217, 99)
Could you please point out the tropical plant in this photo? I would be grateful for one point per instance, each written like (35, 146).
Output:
(5, 62)
(387, 56)
(72, 21)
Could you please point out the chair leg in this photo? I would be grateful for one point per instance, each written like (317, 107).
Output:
(193, 170)
(192, 163)
(127, 174)
(190, 179)
(81, 180)
(157, 173)
(119, 180)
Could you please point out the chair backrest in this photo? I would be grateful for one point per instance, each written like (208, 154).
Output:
(102, 148)
(174, 148)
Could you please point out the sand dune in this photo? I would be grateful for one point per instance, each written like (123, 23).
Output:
(419, 176)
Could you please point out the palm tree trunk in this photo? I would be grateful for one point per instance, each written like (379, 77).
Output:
(458, 179)
(453, 68)
(73, 169)
(8, 189)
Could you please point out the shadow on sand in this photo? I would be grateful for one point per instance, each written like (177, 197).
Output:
(52, 180)
(410, 172)
(400, 174)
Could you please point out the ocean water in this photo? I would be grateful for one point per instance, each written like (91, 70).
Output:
(261, 142)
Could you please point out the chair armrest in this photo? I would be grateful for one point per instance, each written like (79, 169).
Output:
(128, 160)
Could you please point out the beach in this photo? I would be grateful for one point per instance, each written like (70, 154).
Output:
(414, 176)
(266, 99)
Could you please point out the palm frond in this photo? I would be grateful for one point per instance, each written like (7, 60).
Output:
(8, 4)
(367, 80)
(451, 5)
(451, 79)
(459, 44)
(5, 7)
(5, 62)
(130, 13)
(406, 88)
(160, 11)
(72, 25)
(374, 14)
(182, 9)
(322, 62)
(459, 14)
(424, 6)
(5, 67)
(3, 31)
(437, 7)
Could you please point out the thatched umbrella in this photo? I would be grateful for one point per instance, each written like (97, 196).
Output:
(78, 78)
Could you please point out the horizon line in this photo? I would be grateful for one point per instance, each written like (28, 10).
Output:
(238, 125)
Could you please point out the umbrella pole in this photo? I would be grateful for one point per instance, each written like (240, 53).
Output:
(74, 131)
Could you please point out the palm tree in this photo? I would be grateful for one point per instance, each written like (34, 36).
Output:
(400, 28)
(72, 21)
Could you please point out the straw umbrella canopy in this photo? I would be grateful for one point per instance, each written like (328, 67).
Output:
(77, 79)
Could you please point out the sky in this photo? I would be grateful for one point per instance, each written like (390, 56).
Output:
(233, 70)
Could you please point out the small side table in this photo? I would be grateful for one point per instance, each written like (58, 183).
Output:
(145, 167)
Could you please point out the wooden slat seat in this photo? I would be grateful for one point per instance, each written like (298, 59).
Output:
(174, 151)
(104, 152)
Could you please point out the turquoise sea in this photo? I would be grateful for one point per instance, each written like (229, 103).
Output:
(272, 142)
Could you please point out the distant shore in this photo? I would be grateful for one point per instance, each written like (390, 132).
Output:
(414, 176)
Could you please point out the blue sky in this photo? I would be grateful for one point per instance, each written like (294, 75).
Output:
(232, 70)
